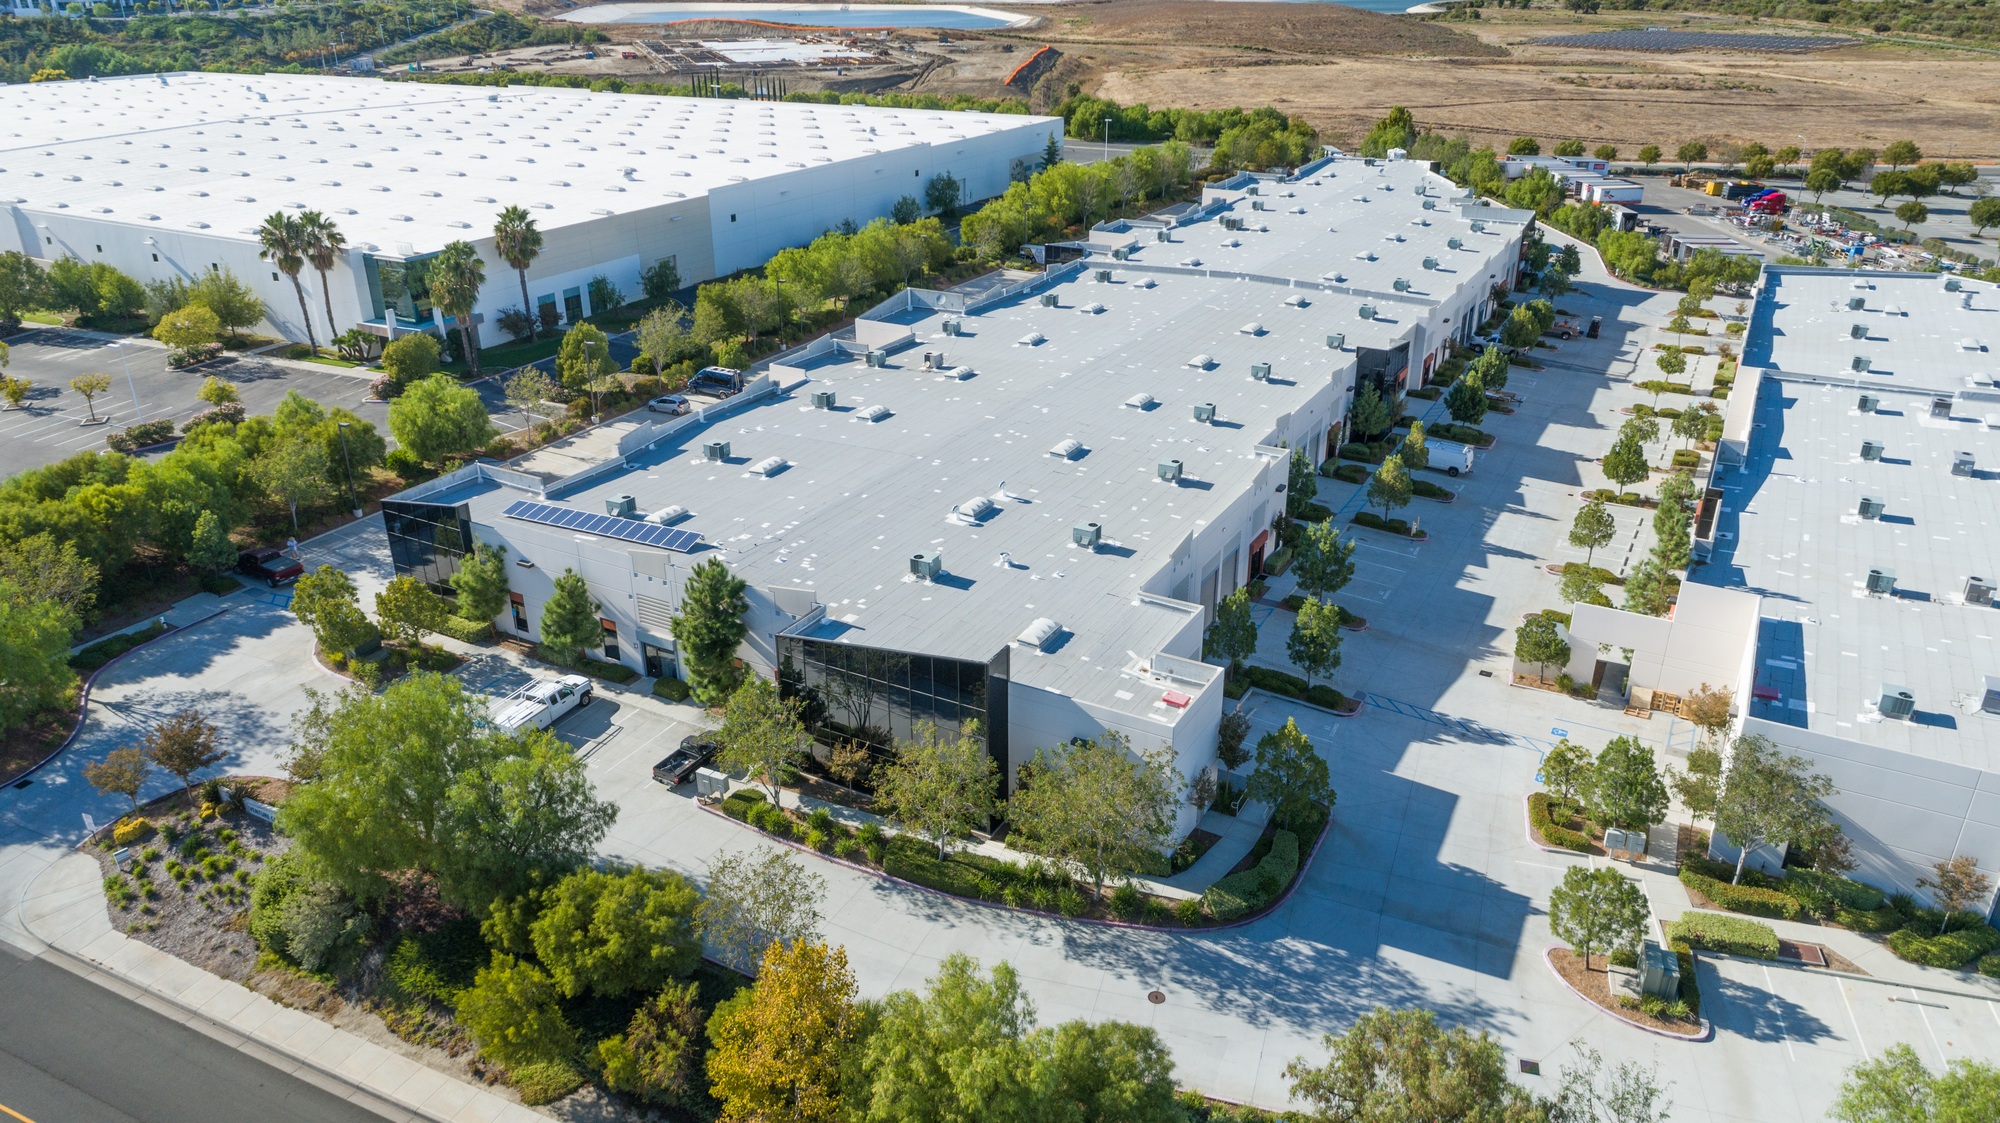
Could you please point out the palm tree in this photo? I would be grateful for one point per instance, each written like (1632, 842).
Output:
(456, 274)
(282, 242)
(323, 242)
(518, 243)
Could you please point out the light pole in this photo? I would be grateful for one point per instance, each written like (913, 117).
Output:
(1107, 138)
(138, 415)
(349, 462)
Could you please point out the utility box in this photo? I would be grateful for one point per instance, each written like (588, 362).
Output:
(707, 781)
(1659, 971)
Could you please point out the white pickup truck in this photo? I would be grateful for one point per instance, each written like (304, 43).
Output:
(542, 703)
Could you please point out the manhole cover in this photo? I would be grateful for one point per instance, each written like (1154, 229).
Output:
(1155, 997)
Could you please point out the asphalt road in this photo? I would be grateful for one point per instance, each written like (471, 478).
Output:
(74, 1052)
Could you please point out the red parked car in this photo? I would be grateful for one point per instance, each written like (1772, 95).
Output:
(269, 565)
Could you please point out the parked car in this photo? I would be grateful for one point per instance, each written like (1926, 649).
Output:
(1596, 325)
(680, 765)
(542, 703)
(1565, 329)
(719, 382)
(669, 403)
(269, 565)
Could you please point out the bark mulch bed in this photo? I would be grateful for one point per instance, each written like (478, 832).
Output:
(1595, 984)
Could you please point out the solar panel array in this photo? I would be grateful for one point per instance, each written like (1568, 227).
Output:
(1655, 39)
(608, 526)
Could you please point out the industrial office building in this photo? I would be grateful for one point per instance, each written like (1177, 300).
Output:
(1017, 503)
(169, 175)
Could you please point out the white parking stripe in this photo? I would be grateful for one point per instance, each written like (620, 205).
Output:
(1856, 1023)
(1771, 985)
(1919, 1004)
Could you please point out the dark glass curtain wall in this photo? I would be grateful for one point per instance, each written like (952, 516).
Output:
(872, 698)
(427, 539)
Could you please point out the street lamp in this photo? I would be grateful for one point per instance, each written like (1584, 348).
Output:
(349, 462)
(1107, 138)
(137, 414)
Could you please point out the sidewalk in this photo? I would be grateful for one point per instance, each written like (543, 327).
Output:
(65, 909)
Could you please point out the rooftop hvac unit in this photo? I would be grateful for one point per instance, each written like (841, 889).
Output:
(716, 451)
(1120, 254)
(953, 327)
(1256, 204)
(1260, 372)
(926, 567)
(1049, 300)
(1941, 408)
(1479, 226)
(1170, 471)
(1204, 412)
(1961, 463)
(1882, 582)
(822, 399)
(1860, 364)
(1868, 403)
(934, 360)
(1979, 591)
(622, 506)
(1336, 341)
(1951, 284)
(1454, 243)
(1990, 701)
(1430, 263)
(1086, 535)
(1401, 285)
(1871, 450)
(876, 358)
(1871, 507)
(1368, 311)
(1856, 303)
(1857, 331)
(1163, 235)
(1430, 204)
(1101, 276)
(1896, 702)
(1250, 190)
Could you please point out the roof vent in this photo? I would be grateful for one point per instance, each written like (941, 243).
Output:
(1091, 309)
(1857, 331)
(1204, 412)
(1032, 339)
(1296, 301)
(1979, 591)
(1202, 362)
(1067, 449)
(975, 508)
(1401, 285)
(1990, 702)
(1140, 401)
(667, 515)
(1856, 303)
(769, 465)
(1454, 243)
(1336, 341)
(1868, 403)
(622, 506)
(1941, 408)
(1251, 328)
(1430, 263)
(822, 399)
(874, 413)
(1086, 535)
(1050, 300)
(1170, 471)
(1871, 450)
(1897, 702)
(1881, 581)
(1039, 634)
(1871, 508)
(1951, 284)
(1479, 226)
(1368, 311)
(1961, 464)
(926, 567)
(1260, 372)
(960, 373)
(1860, 364)
(715, 451)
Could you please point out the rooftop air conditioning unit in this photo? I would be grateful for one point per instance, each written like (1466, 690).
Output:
(1250, 190)
(1941, 408)
(1368, 311)
(1430, 204)
(1871, 507)
(622, 506)
(953, 327)
(1951, 284)
(1336, 341)
(1101, 276)
(1204, 412)
(1122, 253)
(1163, 235)
(1856, 303)
(1050, 300)
(1086, 535)
(1881, 582)
(1430, 263)
(822, 399)
(1401, 285)
(926, 567)
(1990, 701)
(1860, 364)
(1961, 463)
(1868, 403)
(716, 451)
(1871, 450)
(1896, 702)
(1857, 331)
(1979, 591)
(1260, 372)
(1170, 471)
(1256, 204)
(1454, 243)
(876, 358)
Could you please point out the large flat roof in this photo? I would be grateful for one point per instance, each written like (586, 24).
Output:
(408, 166)
(1791, 532)
(1916, 331)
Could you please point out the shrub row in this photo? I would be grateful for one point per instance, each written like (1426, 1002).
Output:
(105, 650)
(1258, 886)
(466, 631)
(131, 829)
(1731, 935)
(609, 672)
(1429, 490)
(143, 435)
(1554, 835)
(1824, 895)
(1374, 521)
(1740, 898)
(1289, 685)
(1989, 966)
(1952, 950)
(1351, 473)
(1314, 513)
(1453, 431)
(672, 689)
(1884, 919)
(737, 804)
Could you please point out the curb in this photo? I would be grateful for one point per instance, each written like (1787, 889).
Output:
(83, 693)
(1828, 972)
(1360, 704)
(1528, 828)
(1707, 1033)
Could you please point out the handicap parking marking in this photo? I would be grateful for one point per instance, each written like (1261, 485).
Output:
(1358, 589)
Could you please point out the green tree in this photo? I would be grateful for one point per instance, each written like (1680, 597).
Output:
(1691, 153)
(182, 744)
(1397, 130)
(321, 243)
(1402, 1065)
(1605, 152)
(121, 772)
(1524, 146)
(1322, 561)
(1301, 484)
(963, 1050)
(1519, 330)
(762, 735)
(1887, 185)
(1788, 156)
(1957, 886)
(664, 336)
(39, 568)
(1566, 771)
(617, 931)
(1672, 548)
(1314, 645)
(1491, 365)
(90, 385)
(782, 1045)
(585, 354)
(1769, 798)
(210, 547)
(1581, 585)
(1896, 1088)
(1416, 448)
(1649, 154)
(512, 1010)
(1627, 1094)
(294, 471)
(23, 286)
(1466, 399)
(281, 240)
(1234, 633)
(756, 899)
(518, 242)
(188, 328)
(236, 305)
(1649, 588)
(216, 392)
(1820, 181)
(1389, 487)
(1699, 786)
(1369, 415)
(1912, 213)
(408, 359)
(325, 601)
(1594, 528)
(528, 390)
(1098, 803)
(436, 417)
(1291, 777)
(409, 611)
(1625, 464)
(939, 788)
(456, 275)
(481, 583)
(570, 624)
(1110, 1071)
(35, 635)
(1569, 148)
(1689, 426)
(1537, 641)
(658, 1057)
(1597, 909)
(709, 628)
(1900, 152)
(1984, 214)
(1626, 784)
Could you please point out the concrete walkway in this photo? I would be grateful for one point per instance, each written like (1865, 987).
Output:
(1239, 832)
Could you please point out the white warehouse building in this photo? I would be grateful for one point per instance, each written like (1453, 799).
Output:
(169, 175)
(1018, 502)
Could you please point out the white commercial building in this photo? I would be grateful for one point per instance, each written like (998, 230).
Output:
(1021, 501)
(169, 175)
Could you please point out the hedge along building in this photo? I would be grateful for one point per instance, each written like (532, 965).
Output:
(169, 175)
(1017, 503)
